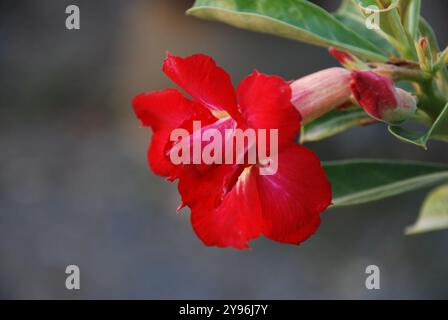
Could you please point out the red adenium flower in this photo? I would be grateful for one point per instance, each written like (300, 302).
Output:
(233, 203)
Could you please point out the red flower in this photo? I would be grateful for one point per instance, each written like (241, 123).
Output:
(233, 203)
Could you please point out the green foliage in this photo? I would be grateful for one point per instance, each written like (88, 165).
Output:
(388, 4)
(334, 122)
(410, 15)
(438, 131)
(391, 25)
(294, 19)
(360, 181)
(350, 15)
(434, 212)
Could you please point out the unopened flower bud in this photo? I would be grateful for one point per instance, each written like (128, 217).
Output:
(318, 93)
(424, 54)
(381, 99)
(347, 59)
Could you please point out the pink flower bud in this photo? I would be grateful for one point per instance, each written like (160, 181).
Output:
(423, 42)
(347, 59)
(318, 93)
(380, 99)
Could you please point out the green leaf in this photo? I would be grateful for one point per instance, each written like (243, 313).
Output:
(293, 19)
(427, 31)
(390, 4)
(438, 131)
(360, 181)
(333, 123)
(351, 16)
(434, 213)
(410, 12)
(390, 24)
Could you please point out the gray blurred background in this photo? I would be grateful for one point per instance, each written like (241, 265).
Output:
(75, 187)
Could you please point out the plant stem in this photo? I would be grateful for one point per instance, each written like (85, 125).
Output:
(430, 99)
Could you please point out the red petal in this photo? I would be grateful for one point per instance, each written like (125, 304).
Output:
(207, 184)
(293, 198)
(375, 93)
(207, 189)
(159, 163)
(164, 111)
(265, 102)
(222, 126)
(236, 221)
(201, 78)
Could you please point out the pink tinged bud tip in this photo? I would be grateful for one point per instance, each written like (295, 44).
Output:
(318, 93)
(381, 99)
(347, 59)
(423, 42)
(342, 56)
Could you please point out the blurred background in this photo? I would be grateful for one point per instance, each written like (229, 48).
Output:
(75, 187)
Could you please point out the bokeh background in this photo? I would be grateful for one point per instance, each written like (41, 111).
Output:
(75, 187)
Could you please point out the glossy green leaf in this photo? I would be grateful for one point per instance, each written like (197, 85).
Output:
(360, 181)
(439, 131)
(294, 19)
(351, 16)
(434, 213)
(332, 123)
(410, 15)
